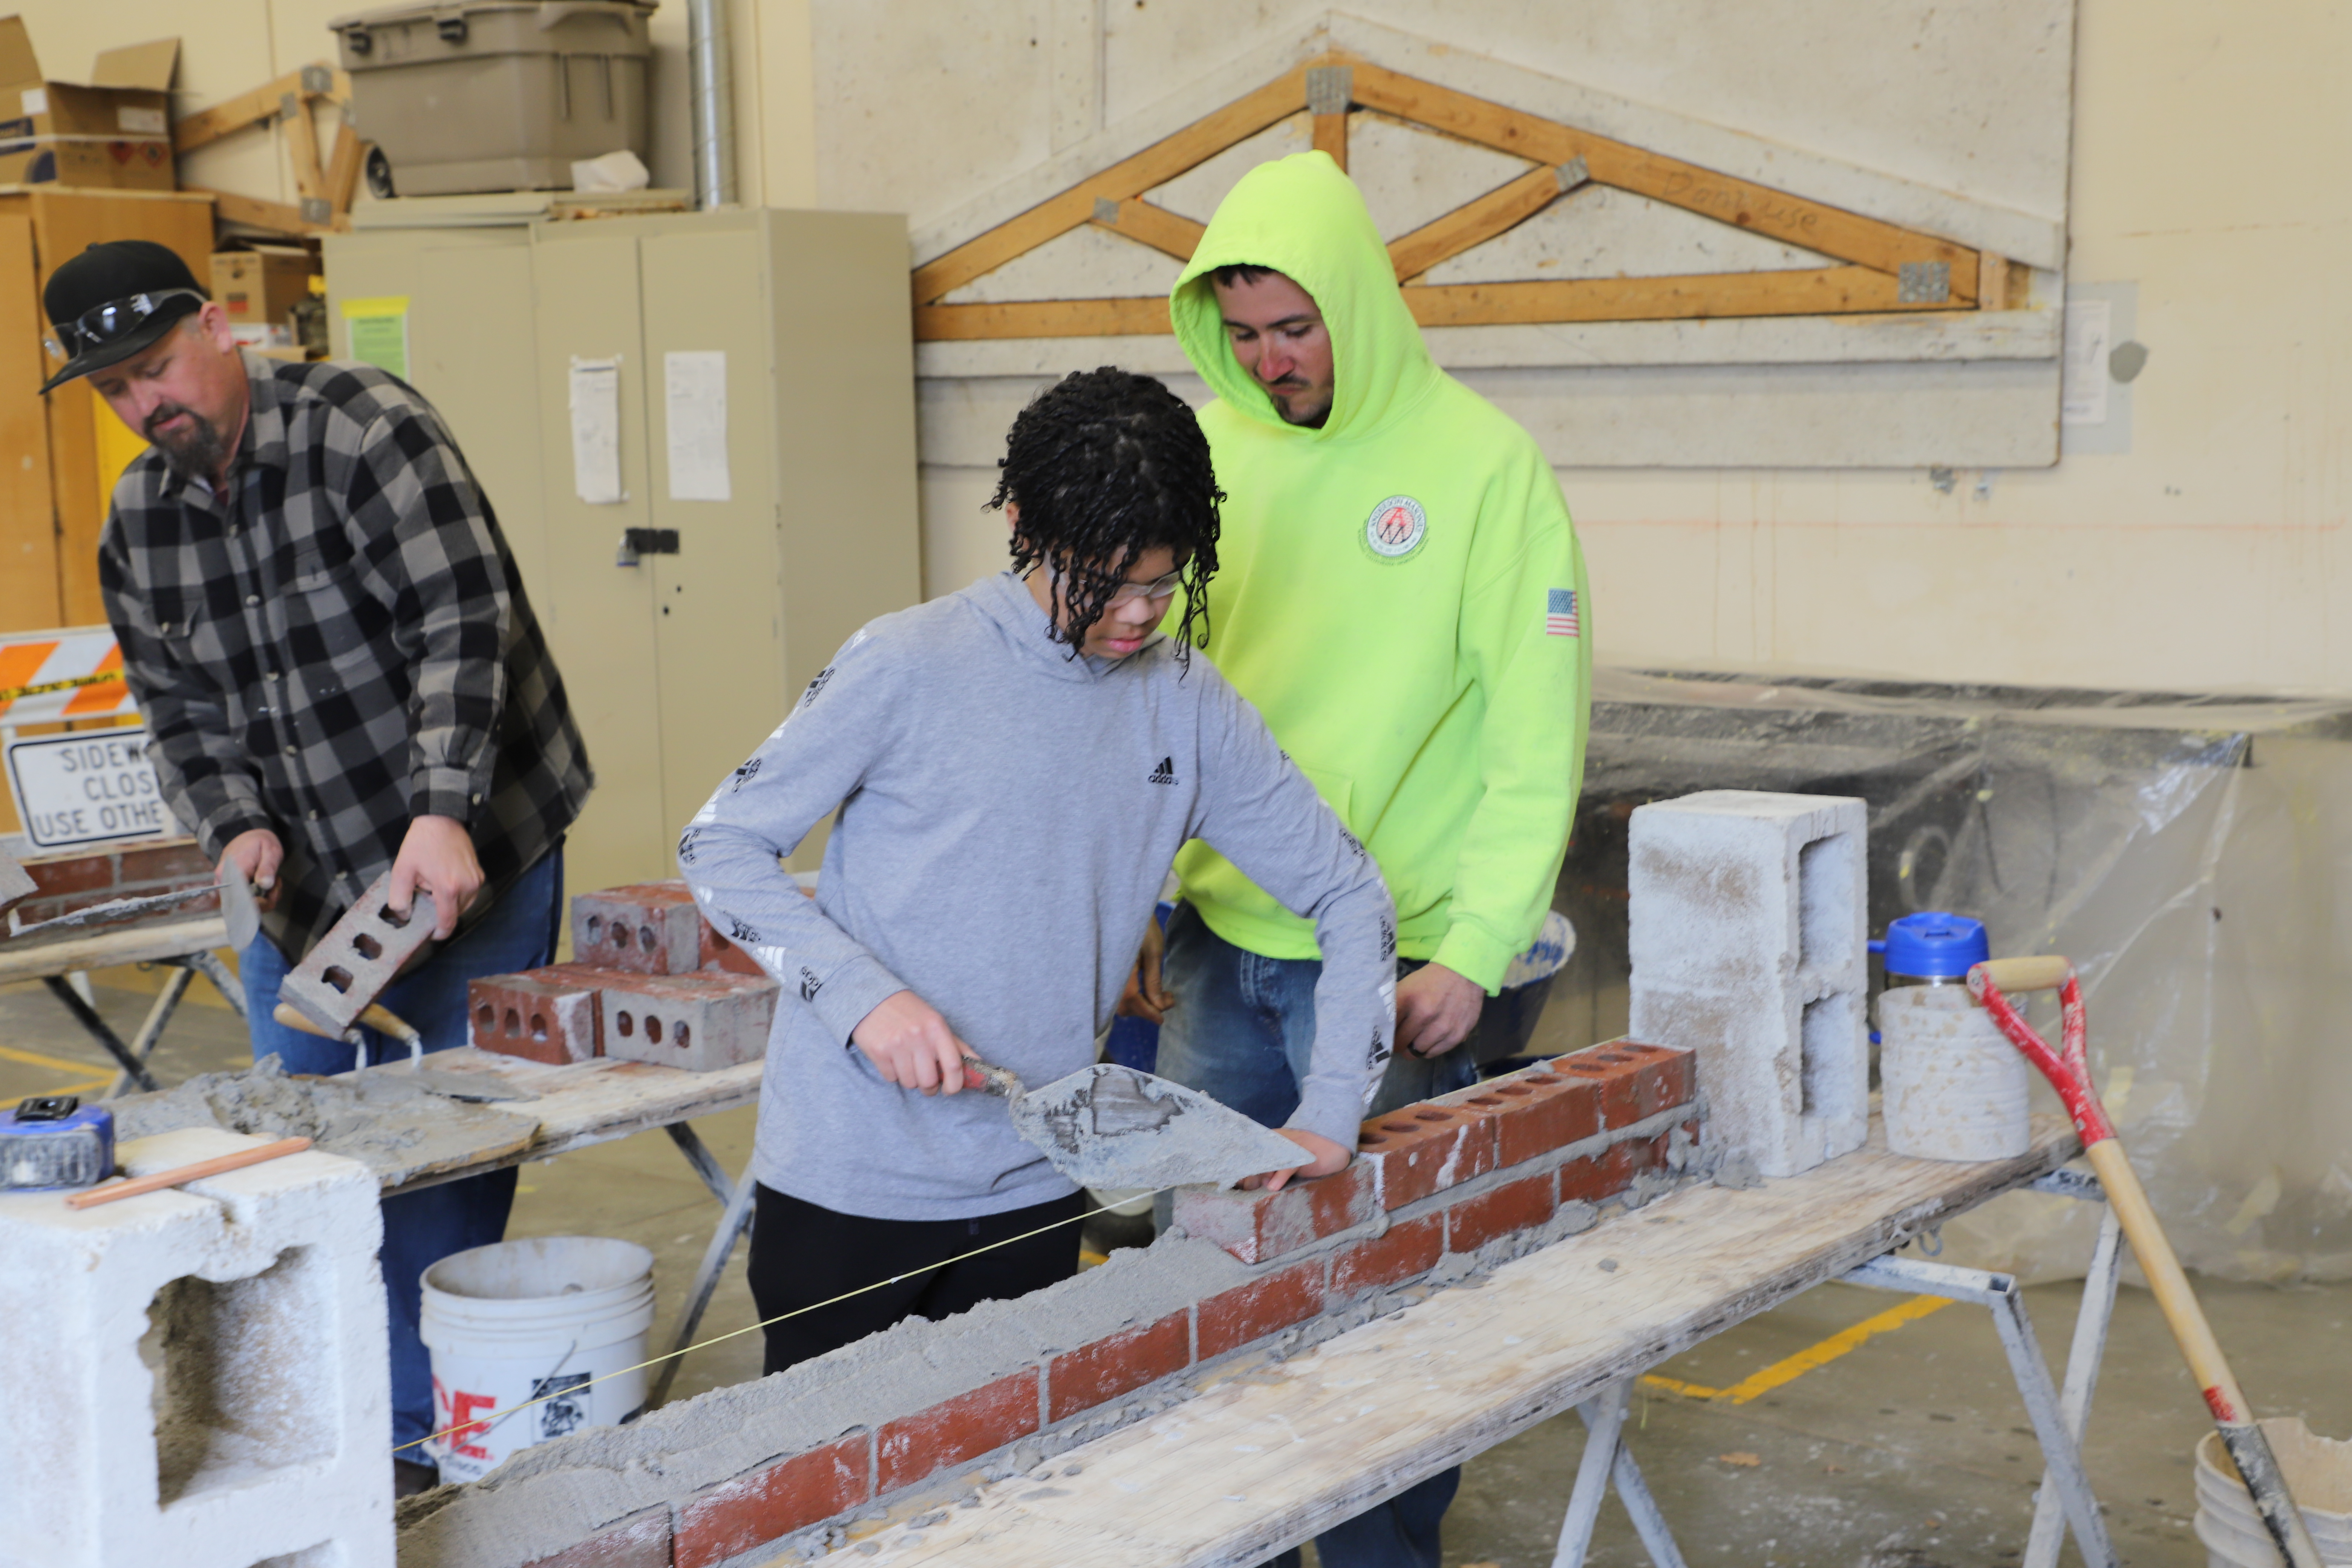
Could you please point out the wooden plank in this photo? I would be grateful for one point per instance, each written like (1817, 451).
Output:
(1331, 136)
(303, 144)
(279, 217)
(1154, 165)
(1262, 1460)
(29, 593)
(1044, 319)
(1816, 291)
(231, 115)
(1849, 236)
(141, 941)
(343, 167)
(1156, 226)
(1476, 222)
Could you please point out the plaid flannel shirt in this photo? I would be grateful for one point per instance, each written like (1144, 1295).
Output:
(340, 645)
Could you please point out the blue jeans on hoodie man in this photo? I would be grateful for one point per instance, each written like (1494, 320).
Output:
(421, 1228)
(1241, 1031)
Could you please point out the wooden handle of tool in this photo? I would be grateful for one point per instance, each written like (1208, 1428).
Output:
(173, 1178)
(2043, 973)
(375, 1017)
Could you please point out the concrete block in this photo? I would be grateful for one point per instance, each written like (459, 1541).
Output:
(541, 1014)
(261, 1434)
(358, 957)
(700, 1021)
(646, 928)
(1747, 931)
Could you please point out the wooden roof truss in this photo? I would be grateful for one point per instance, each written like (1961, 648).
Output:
(1881, 266)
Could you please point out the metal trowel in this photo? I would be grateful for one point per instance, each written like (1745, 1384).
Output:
(1106, 1126)
(238, 910)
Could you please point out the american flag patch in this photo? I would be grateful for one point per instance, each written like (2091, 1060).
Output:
(1559, 615)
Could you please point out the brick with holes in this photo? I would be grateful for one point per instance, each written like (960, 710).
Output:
(700, 1021)
(358, 958)
(646, 928)
(541, 1014)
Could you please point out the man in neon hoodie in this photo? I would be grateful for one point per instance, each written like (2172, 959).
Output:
(1402, 598)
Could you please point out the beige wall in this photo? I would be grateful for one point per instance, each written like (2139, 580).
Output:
(2207, 169)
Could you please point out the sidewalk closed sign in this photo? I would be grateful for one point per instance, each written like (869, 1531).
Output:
(87, 789)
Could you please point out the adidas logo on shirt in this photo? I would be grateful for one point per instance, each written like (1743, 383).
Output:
(1165, 772)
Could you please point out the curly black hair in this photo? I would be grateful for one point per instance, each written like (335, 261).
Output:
(1105, 464)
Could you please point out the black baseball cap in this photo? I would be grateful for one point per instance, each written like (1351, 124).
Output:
(114, 300)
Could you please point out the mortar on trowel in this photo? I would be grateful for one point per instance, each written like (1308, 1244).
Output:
(1108, 1126)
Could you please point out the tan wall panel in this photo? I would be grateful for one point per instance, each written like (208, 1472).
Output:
(30, 598)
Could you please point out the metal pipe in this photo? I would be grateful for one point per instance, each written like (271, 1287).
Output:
(713, 92)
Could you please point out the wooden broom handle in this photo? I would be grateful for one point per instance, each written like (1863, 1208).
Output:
(173, 1178)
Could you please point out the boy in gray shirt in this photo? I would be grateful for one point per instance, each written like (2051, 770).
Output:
(1015, 767)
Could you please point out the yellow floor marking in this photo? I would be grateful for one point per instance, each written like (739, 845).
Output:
(1806, 1359)
(34, 1059)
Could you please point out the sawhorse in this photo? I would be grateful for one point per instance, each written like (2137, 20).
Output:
(2064, 1501)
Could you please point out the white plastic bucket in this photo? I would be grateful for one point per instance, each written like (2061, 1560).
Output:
(519, 1320)
(2318, 1471)
(1952, 1086)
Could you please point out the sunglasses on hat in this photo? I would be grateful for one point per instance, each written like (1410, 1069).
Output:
(110, 322)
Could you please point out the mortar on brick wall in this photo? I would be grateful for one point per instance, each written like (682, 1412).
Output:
(1007, 1384)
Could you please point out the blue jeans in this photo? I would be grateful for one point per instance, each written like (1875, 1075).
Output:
(1242, 1031)
(421, 1228)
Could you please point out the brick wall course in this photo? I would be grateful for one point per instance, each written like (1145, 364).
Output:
(1095, 1373)
(964, 1427)
(772, 1501)
(641, 1540)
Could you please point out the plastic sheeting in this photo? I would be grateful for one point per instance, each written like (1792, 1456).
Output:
(2189, 852)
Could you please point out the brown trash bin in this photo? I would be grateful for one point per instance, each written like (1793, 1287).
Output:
(498, 95)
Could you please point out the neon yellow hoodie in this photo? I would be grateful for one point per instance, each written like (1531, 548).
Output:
(1400, 593)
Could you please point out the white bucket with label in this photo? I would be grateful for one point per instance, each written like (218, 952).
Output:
(1953, 1087)
(2318, 1471)
(525, 1320)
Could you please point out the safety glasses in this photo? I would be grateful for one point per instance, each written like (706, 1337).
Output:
(110, 322)
(1128, 593)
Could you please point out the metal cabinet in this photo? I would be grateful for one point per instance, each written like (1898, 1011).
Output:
(678, 665)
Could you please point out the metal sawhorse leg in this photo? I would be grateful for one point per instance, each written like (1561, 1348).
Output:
(2065, 1497)
(734, 1220)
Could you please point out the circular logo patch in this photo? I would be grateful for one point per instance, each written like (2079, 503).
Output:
(1396, 528)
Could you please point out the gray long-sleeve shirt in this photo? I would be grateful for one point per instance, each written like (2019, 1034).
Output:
(1007, 817)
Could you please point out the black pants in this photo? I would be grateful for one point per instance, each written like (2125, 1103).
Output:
(802, 1254)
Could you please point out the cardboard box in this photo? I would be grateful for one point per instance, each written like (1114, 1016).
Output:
(113, 132)
(260, 287)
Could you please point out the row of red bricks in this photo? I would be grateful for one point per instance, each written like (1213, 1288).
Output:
(65, 883)
(1416, 1153)
(792, 1493)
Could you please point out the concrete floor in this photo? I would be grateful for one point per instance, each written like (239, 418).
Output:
(1910, 1451)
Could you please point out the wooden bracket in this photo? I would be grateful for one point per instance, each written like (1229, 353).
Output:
(1875, 253)
(326, 189)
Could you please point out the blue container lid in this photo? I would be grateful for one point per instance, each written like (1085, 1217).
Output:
(1932, 945)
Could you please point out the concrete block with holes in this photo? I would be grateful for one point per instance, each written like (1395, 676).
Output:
(196, 1377)
(708, 1019)
(541, 1014)
(1749, 924)
(358, 957)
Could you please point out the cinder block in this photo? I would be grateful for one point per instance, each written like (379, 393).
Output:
(1255, 1226)
(1418, 1150)
(358, 957)
(1091, 1375)
(773, 1500)
(700, 1021)
(541, 1014)
(262, 1436)
(1266, 1305)
(646, 928)
(955, 1430)
(1408, 1249)
(1748, 926)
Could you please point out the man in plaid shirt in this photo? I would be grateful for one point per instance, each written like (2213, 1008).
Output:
(325, 630)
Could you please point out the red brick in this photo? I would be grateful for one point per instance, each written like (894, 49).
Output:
(1256, 1226)
(759, 1505)
(702, 1020)
(1615, 1073)
(1264, 1306)
(1514, 1206)
(1591, 1179)
(1408, 1249)
(76, 873)
(640, 1541)
(1083, 1378)
(646, 928)
(157, 867)
(950, 1433)
(1420, 1149)
(715, 951)
(541, 1014)
(1668, 1077)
